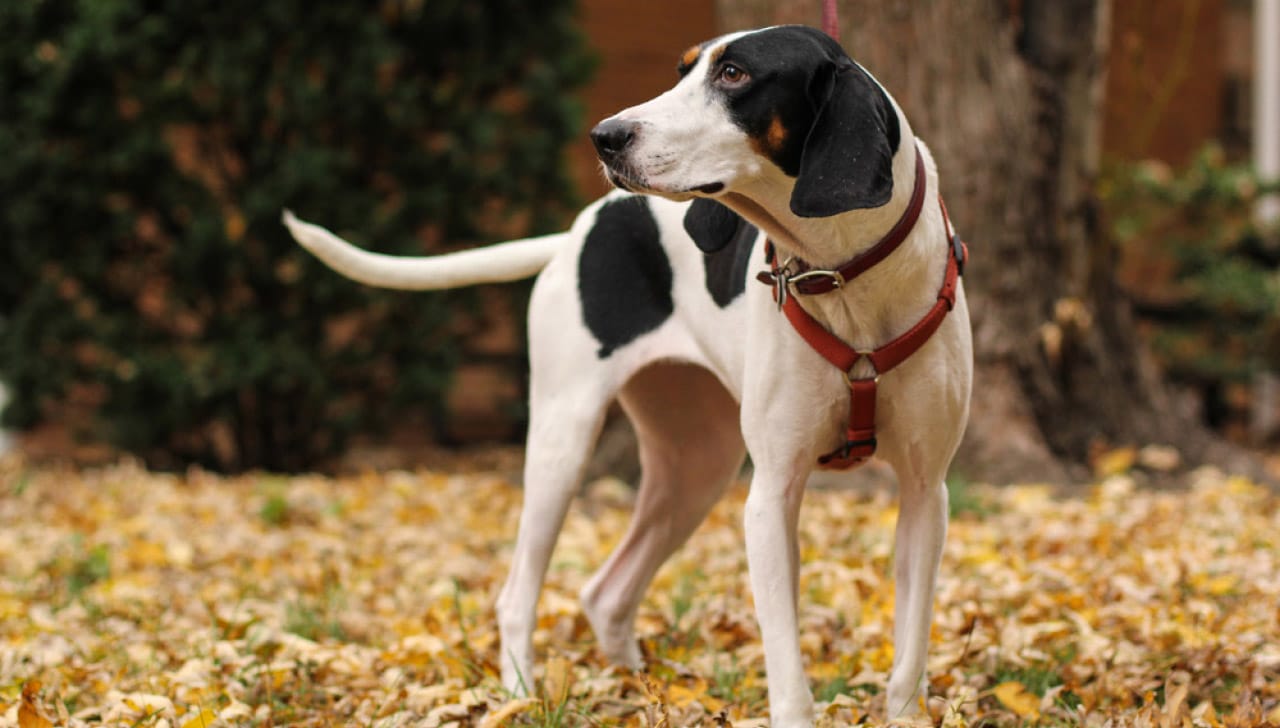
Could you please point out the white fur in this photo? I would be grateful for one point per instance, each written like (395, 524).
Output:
(509, 261)
(779, 399)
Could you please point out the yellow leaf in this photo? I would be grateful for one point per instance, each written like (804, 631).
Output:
(1115, 462)
(1218, 585)
(1014, 696)
(880, 658)
(203, 720)
(1204, 713)
(559, 680)
(511, 709)
(680, 696)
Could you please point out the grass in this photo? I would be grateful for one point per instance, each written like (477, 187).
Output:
(275, 509)
(88, 568)
(316, 616)
(729, 683)
(963, 499)
(1036, 679)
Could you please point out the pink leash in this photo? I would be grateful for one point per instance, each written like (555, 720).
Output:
(830, 22)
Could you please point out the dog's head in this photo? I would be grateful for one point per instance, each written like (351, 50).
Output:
(784, 100)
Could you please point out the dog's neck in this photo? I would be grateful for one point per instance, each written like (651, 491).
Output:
(825, 242)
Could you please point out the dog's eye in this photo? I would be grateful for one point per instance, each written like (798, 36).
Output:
(731, 75)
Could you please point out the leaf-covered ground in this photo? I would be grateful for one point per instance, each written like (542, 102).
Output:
(133, 598)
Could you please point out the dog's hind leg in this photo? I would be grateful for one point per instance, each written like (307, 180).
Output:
(690, 448)
(562, 432)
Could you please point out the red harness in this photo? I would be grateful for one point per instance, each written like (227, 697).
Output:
(788, 282)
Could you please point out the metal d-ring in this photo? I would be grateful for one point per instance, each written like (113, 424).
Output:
(782, 280)
(875, 377)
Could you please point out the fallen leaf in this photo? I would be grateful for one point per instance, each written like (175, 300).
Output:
(30, 713)
(509, 710)
(1176, 687)
(203, 719)
(1115, 462)
(1014, 696)
(559, 680)
(682, 696)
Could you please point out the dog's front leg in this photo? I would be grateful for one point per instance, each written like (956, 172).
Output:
(769, 522)
(921, 534)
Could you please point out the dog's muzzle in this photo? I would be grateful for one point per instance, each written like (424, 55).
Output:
(611, 138)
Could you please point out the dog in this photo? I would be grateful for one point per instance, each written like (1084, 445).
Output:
(772, 145)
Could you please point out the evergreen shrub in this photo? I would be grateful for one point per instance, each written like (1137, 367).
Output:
(148, 291)
(1205, 278)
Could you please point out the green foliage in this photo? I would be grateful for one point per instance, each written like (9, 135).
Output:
(148, 147)
(1206, 280)
(89, 567)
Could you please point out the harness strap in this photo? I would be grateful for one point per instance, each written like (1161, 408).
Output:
(860, 435)
(803, 280)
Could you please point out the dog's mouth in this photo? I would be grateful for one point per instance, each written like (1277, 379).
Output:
(710, 188)
(623, 179)
(626, 179)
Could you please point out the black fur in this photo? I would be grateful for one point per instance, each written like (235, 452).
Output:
(726, 240)
(624, 277)
(711, 224)
(726, 270)
(841, 131)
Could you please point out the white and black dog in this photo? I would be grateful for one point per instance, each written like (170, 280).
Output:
(771, 135)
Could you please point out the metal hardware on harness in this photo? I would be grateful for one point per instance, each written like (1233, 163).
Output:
(834, 275)
(958, 252)
(784, 280)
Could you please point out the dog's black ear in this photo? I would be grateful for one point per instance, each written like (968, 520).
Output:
(711, 225)
(847, 162)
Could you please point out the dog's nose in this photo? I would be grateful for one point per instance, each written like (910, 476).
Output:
(612, 136)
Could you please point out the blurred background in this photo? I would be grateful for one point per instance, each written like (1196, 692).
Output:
(1108, 162)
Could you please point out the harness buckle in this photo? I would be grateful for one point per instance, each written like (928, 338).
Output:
(784, 280)
(836, 276)
(849, 446)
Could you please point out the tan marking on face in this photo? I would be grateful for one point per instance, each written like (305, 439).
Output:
(690, 56)
(774, 137)
(715, 55)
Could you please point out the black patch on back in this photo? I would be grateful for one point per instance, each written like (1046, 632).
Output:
(624, 277)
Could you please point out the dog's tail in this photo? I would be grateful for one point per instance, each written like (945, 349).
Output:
(509, 261)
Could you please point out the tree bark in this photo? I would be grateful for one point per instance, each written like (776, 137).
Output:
(1008, 95)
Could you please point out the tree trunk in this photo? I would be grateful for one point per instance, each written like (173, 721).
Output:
(1008, 96)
